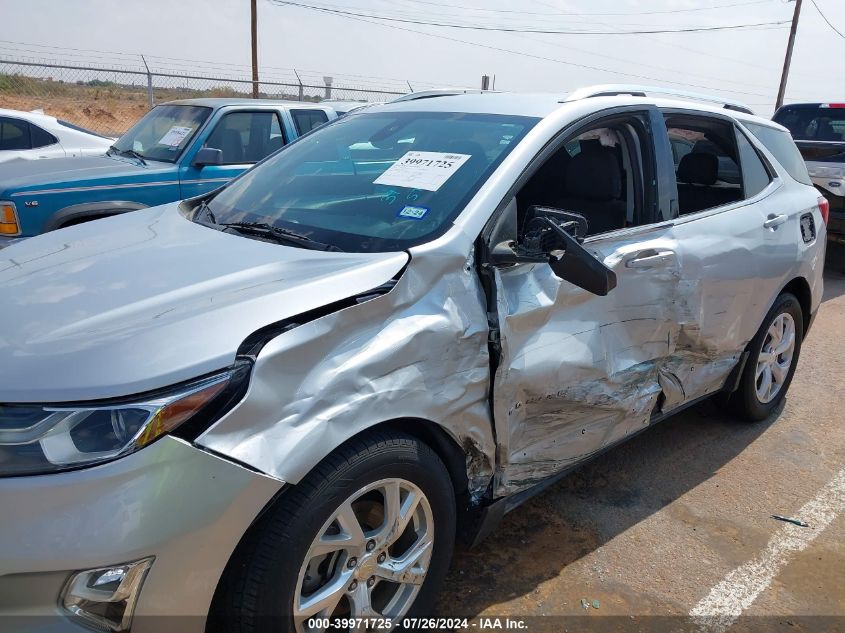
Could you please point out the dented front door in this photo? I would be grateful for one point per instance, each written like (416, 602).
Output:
(577, 371)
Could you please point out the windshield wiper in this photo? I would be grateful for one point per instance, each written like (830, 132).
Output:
(279, 235)
(127, 152)
(206, 211)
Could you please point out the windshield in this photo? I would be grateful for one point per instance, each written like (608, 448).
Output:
(374, 181)
(813, 123)
(164, 132)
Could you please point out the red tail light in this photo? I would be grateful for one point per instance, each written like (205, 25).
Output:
(824, 208)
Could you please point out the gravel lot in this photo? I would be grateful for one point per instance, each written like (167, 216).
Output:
(679, 519)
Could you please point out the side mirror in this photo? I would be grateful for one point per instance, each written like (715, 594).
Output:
(578, 266)
(208, 156)
(550, 231)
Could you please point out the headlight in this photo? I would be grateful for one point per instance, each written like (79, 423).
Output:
(43, 438)
(826, 172)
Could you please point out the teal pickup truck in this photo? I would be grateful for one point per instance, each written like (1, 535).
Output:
(178, 150)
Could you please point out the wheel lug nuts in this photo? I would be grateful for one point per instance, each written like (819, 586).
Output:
(371, 545)
(371, 581)
(382, 557)
(352, 562)
(353, 585)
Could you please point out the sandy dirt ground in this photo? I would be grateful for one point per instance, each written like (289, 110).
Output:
(680, 518)
(112, 117)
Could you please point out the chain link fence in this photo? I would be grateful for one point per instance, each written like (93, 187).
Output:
(109, 101)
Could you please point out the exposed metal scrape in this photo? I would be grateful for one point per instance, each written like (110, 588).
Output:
(479, 469)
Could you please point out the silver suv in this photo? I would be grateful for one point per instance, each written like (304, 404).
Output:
(271, 407)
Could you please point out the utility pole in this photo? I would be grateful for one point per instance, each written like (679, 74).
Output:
(786, 62)
(254, 25)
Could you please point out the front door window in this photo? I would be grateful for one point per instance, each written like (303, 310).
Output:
(246, 137)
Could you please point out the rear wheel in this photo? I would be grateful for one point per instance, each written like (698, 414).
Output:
(772, 360)
(368, 534)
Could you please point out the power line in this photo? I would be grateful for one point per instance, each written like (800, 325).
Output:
(424, 13)
(709, 54)
(504, 29)
(86, 56)
(674, 45)
(544, 58)
(670, 11)
(640, 64)
(829, 23)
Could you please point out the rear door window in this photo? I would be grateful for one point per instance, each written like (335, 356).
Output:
(706, 156)
(783, 148)
(307, 120)
(14, 134)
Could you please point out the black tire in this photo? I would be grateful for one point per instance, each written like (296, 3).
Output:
(257, 589)
(745, 401)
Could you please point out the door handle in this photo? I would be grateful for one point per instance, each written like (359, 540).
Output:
(774, 221)
(651, 258)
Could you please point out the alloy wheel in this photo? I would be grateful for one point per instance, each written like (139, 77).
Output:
(775, 357)
(369, 559)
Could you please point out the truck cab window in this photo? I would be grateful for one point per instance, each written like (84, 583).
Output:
(307, 120)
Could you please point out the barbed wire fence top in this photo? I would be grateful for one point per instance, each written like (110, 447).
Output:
(110, 100)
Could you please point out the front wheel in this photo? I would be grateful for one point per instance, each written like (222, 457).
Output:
(368, 534)
(772, 360)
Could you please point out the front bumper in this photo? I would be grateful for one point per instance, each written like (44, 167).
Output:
(186, 507)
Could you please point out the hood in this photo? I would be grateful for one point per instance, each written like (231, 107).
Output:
(57, 173)
(148, 299)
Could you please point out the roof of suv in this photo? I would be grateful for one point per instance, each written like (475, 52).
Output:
(543, 104)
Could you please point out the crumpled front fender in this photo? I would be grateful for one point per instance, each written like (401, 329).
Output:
(419, 351)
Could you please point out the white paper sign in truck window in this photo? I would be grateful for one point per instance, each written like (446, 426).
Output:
(422, 170)
(175, 136)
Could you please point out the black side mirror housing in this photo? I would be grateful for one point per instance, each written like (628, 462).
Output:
(208, 156)
(577, 266)
(553, 236)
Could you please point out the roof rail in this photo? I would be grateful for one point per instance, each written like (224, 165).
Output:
(438, 92)
(611, 90)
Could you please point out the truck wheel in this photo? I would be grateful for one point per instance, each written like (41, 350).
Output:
(772, 360)
(368, 533)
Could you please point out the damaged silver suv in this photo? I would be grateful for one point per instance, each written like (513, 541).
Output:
(276, 406)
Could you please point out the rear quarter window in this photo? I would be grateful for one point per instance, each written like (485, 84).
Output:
(71, 126)
(781, 145)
